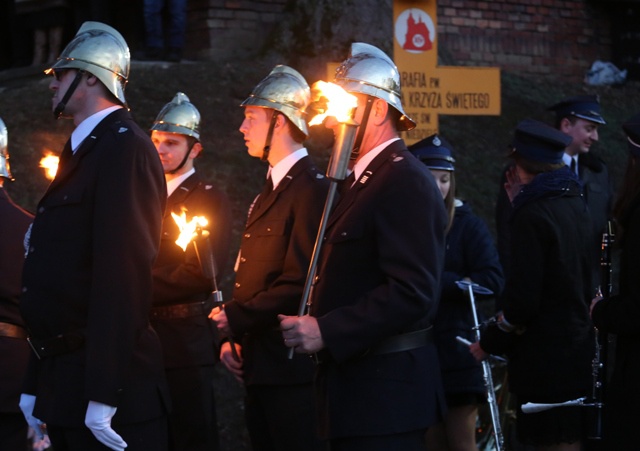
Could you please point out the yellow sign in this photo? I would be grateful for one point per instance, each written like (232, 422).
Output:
(429, 90)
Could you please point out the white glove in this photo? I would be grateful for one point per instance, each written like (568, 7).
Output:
(27, 402)
(98, 420)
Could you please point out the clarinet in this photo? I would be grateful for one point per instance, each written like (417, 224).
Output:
(599, 370)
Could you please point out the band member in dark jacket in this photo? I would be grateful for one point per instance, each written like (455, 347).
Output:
(579, 117)
(14, 350)
(87, 282)
(619, 314)
(181, 291)
(272, 267)
(471, 256)
(545, 328)
(377, 283)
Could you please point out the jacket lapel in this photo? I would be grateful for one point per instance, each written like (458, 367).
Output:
(363, 181)
(265, 204)
(69, 162)
(180, 195)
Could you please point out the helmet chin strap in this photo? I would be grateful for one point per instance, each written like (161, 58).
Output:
(267, 141)
(184, 160)
(67, 95)
(363, 126)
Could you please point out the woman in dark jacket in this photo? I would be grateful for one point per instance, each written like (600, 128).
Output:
(619, 314)
(545, 328)
(470, 255)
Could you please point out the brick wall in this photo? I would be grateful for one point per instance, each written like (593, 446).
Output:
(548, 38)
(221, 29)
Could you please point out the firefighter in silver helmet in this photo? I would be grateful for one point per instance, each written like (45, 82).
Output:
(14, 349)
(98, 50)
(375, 291)
(181, 288)
(96, 375)
(272, 264)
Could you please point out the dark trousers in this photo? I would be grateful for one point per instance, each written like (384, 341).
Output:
(407, 441)
(149, 435)
(281, 418)
(192, 421)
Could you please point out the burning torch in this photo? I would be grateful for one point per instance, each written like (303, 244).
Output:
(193, 232)
(50, 164)
(342, 106)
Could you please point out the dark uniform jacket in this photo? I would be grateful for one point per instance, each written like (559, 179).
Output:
(378, 276)
(620, 315)
(273, 263)
(598, 193)
(88, 274)
(548, 292)
(178, 277)
(14, 222)
(470, 252)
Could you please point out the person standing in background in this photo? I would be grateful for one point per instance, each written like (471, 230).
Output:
(618, 314)
(14, 350)
(470, 256)
(181, 290)
(47, 19)
(579, 117)
(157, 47)
(544, 326)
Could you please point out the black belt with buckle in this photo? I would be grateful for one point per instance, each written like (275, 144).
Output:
(61, 344)
(12, 331)
(404, 342)
(181, 310)
(397, 343)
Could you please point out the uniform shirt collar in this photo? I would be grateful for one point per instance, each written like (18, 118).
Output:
(362, 164)
(173, 184)
(280, 170)
(567, 159)
(85, 127)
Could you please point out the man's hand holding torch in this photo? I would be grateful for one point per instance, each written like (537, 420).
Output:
(301, 333)
(193, 232)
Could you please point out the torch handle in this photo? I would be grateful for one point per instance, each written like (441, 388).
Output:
(208, 266)
(337, 170)
(306, 291)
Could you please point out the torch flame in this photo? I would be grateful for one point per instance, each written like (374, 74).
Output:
(50, 163)
(188, 230)
(340, 104)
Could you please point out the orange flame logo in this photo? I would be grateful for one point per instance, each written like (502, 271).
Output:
(188, 229)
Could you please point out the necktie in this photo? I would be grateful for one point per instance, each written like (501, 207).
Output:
(573, 166)
(266, 190)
